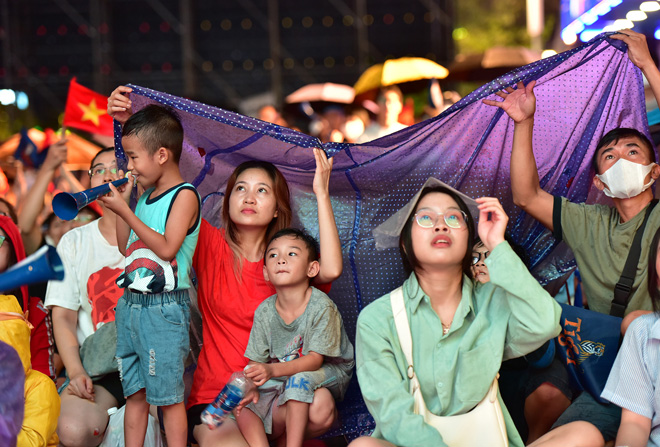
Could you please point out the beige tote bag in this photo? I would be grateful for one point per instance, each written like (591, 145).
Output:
(483, 426)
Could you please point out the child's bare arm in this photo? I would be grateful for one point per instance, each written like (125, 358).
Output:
(260, 373)
(165, 246)
(331, 258)
(123, 232)
(634, 430)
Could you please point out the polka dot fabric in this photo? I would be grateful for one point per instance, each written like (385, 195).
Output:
(581, 94)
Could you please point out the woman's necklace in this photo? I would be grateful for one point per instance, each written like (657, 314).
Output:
(445, 327)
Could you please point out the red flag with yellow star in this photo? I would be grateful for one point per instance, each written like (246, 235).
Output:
(86, 110)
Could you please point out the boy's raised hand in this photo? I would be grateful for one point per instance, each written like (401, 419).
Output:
(519, 103)
(119, 106)
(492, 222)
(321, 184)
(259, 373)
(118, 199)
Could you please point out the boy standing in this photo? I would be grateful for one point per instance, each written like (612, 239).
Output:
(153, 315)
(297, 337)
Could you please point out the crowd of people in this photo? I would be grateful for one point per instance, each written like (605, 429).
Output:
(363, 121)
(469, 318)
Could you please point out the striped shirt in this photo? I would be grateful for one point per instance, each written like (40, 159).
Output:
(634, 382)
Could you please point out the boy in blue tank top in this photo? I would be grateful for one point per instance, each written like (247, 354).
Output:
(158, 240)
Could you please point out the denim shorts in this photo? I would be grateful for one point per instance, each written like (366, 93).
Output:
(153, 344)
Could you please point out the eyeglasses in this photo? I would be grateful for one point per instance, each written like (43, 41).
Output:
(427, 218)
(476, 256)
(100, 170)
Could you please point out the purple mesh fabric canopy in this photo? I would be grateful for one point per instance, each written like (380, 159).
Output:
(12, 395)
(581, 94)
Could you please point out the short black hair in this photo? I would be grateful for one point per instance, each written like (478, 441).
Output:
(614, 135)
(410, 262)
(157, 126)
(310, 242)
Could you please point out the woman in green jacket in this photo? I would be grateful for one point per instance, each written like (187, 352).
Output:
(461, 329)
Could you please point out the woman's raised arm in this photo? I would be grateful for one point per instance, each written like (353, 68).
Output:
(331, 258)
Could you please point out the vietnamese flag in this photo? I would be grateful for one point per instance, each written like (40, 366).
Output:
(86, 110)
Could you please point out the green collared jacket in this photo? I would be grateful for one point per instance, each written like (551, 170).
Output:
(507, 318)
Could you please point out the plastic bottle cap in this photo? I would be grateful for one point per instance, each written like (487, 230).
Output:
(112, 411)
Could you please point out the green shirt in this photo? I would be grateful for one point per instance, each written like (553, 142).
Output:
(600, 243)
(509, 317)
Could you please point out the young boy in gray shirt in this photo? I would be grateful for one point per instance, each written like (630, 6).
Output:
(298, 347)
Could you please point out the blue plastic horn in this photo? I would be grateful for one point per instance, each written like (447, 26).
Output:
(43, 265)
(66, 205)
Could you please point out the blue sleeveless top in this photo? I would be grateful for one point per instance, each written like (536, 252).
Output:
(145, 271)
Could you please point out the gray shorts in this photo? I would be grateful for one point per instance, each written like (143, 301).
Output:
(299, 387)
(606, 417)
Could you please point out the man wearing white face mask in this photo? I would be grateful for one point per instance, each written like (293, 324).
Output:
(600, 236)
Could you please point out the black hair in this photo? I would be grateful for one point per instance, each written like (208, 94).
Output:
(653, 285)
(157, 126)
(518, 249)
(102, 151)
(614, 135)
(410, 261)
(310, 242)
(11, 209)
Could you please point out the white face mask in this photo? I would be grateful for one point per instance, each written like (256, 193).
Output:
(625, 179)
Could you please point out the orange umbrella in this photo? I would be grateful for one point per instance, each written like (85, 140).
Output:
(79, 155)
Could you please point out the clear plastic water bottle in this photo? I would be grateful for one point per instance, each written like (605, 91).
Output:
(230, 396)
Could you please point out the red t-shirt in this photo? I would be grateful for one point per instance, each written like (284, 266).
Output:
(227, 306)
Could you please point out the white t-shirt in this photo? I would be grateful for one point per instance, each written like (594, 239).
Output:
(91, 268)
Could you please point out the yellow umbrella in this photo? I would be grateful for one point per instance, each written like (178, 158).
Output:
(397, 71)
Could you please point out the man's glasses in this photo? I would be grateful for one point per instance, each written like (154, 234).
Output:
(427, 218)
(476, 256)
(100, 170)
